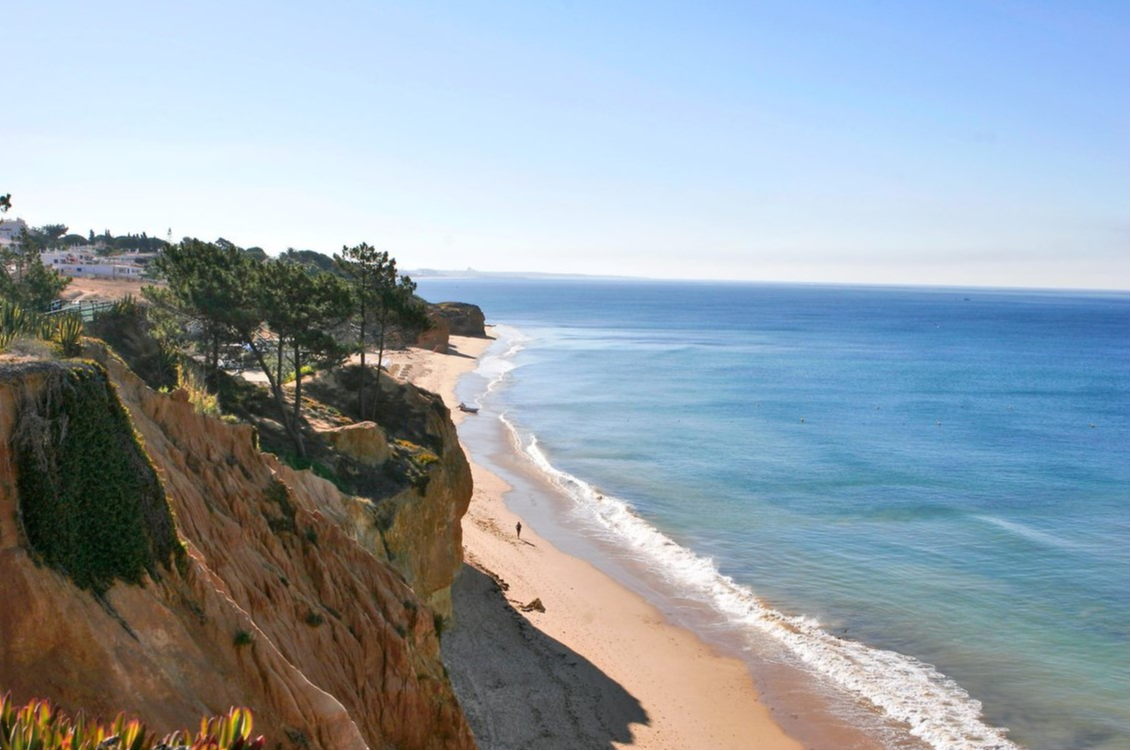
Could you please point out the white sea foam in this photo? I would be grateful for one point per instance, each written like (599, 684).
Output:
(495, 367)
(935, 708)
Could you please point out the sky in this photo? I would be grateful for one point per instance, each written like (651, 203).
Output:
(959, 142)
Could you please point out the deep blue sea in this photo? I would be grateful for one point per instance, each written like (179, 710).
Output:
(916, 497)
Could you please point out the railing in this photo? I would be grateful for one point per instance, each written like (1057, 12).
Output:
(85, 308)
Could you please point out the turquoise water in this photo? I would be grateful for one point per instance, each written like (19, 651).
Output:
(919, 495)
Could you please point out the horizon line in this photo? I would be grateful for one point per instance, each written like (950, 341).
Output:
(470, 273)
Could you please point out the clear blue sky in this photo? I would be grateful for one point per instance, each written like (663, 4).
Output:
(974, 142)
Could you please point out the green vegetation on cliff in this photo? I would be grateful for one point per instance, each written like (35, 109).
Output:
(91, 503)
(285, 316)
(19, 324)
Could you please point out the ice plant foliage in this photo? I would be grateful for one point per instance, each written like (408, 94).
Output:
(39, 724)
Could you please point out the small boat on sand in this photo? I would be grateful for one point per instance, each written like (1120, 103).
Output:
(470, 410)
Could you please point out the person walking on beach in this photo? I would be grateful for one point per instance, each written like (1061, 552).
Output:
(518, 529)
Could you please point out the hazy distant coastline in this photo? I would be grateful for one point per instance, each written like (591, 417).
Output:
(476, 274)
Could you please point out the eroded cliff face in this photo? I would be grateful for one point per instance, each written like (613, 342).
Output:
(415, 523)
(438, 337)
(424, 537)
(464, 319)
(284, 602)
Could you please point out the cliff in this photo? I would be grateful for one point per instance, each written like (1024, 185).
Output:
(252, 584)
(424, 535)
(463, 319)
(438, 337)
(412, 478)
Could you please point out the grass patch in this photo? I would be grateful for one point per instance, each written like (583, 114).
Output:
(191, 380)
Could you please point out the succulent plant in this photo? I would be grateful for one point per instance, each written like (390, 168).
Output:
(39, 724)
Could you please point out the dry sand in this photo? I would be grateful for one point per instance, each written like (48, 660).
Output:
(87, 289)
(600, 668)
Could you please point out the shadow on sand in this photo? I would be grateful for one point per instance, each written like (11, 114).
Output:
(453, 351)
(522, 689)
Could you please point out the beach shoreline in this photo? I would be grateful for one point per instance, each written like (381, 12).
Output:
(596, 665)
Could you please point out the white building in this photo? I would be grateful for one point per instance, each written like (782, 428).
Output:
(84, 263)
(10, 230)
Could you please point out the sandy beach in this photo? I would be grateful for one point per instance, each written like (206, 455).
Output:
(598, 667)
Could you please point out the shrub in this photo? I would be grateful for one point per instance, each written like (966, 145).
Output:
(190, 379)
(318, 468)
(91, 502)
(306, 370)
(126, 327)
(278, 494)
(414, 461)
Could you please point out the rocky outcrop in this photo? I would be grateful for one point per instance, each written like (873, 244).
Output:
(413, 512)
(364, 442)
(464, 319)
(424, 536)
(436, 338)
(281, 603)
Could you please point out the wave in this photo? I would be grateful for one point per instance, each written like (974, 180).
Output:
(935, 708)
(494, 367)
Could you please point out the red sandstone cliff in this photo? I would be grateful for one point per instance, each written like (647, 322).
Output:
(281, 605)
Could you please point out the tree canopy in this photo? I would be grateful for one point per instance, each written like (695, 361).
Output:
(23, 277)
(285, 315)
(311, 259)
(382, 298)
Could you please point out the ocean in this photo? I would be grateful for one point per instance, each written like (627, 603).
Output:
(909, 503)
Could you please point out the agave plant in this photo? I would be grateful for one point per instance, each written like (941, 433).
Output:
(17, 321)
(123, 307)
(66, 331)
(11, 323)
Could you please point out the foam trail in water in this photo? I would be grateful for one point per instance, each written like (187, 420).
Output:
(1033, 535)
(936, 709)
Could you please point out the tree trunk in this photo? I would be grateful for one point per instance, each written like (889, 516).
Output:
(211, 376)
(279, 362)
(276, 384)
(298, 388)
(381, 345)
(361, 389)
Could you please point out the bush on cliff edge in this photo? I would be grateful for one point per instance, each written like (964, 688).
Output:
(90, 501)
